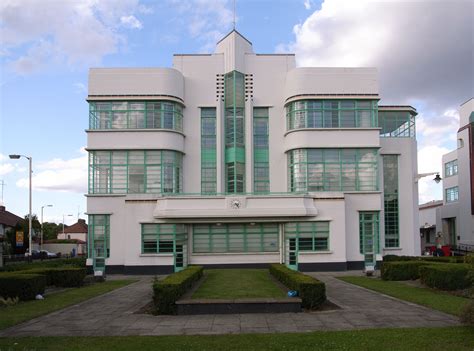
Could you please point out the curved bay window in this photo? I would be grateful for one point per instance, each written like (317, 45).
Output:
(331, 114)
(136, 115)
(332, 170)
(142, 171)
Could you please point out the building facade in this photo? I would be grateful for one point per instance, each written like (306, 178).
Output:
(455, 219)
(236, 158)
(428, 213)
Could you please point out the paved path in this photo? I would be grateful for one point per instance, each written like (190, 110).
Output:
(113, 314)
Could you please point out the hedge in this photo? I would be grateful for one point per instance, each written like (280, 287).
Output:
(446, 276)
(60, 276)
(311, 291)
(403, 270)
(167, 291)
(445, 259)
(56, 262)
(23, 286)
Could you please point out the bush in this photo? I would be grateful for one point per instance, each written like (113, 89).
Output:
(469, 259)
(23, 286)
(392, 258)
(167, 291)
(404, 270)
(60, 276)
(446, 276)
(467, 314)
(57, 262)
(311, 291)
(445, 259)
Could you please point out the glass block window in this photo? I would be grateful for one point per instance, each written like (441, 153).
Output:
(311, 236)
(331, 114)
(138, 171)
(213, 238)
(98, 236)
(397, 124)
(234, 116)
(163, 238)
(135, 115)
(452, 194)
(312, 170)
(391, 209)
(451, 168)
(261, 173)
(369, 241)
(208, 151)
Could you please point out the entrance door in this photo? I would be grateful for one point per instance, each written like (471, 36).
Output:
(292, 253)
(369, 238)
(179, 262)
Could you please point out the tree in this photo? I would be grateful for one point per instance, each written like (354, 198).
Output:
(51, 230)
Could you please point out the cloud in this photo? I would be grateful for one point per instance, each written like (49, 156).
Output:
(6, 168)
(307, 4)
(429, 160)
(36, 34)
(80, 88)
(59, 175)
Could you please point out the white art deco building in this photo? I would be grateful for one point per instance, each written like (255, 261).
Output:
(243, 159)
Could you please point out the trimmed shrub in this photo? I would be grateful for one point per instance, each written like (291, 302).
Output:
(445, 259)
(469, 259)
(56, 262)
(404, 270)
(311, 291)
(467, 314)
(23, 286)
(167, 291)
(61, 276)
(396, 258)
(446, 276)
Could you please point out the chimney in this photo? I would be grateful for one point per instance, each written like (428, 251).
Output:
(2, 208)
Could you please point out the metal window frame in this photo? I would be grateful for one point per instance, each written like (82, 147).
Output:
(404, 119)
(92, 233)
(451, 168)
(208, 154)
(315, 233)
(261, 152)
(391, 211)
(375, 221)
(452, 194)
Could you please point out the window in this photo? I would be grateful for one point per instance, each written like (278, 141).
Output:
(261, 180)
(331, 114)
(143, 171)
(234, 107)
(397, 124)
(460, 143)
(98, 241)
(391, 206)
(213, 238)
(162, 238)
(208, 151)
(452, 194)
(332, 170)
(311, 236)
(369, 233)
(451, 168)
(135, 115)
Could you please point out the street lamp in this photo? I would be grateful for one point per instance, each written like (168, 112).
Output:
(65, 215)
(42, 207)
(437, 179)
(30, 159)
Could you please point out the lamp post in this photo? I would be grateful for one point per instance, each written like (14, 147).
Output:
(65, 215)
(42, 207)
(437, 179)
(30, 226)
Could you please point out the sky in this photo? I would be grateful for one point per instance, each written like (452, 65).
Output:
(423, 51)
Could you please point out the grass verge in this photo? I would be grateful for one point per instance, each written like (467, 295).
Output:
(238, 284)
(452, 338)
(434, 299)
(27, 310)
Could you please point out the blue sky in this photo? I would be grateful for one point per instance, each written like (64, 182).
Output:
(47, 47)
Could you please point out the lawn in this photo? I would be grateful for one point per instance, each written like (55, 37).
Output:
(238, 284)
(27, 310)
(433, 339)
(434, 299)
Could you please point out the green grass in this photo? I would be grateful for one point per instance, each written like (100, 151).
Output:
(238, 284)
(432, 339)
(434, 299)
(27, 310)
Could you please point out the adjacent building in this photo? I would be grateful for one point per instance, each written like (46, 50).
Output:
(428, 232)
(456, 217)
(242, 159)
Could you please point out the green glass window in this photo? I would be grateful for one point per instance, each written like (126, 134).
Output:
(135, 115)
(98, 236)
(331, 114)
(234, 109)
(163, 238)
(140, 171)
(312, 170)
(261, 173)
(391, 206)
(369, 241)
(208, 151)
(213, 238)
(397, 124)
(451, 168)
(311, 236)
(452, 194)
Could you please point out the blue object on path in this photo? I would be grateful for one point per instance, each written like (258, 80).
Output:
(292, 293)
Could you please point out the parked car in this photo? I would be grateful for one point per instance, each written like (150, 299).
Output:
(34, 253)
(47, 254)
